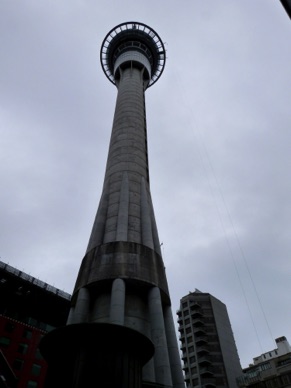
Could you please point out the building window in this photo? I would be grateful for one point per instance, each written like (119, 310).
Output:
(184, 304)
(186, 312)
(212, 338)
(35, 370)
(22, 348)
(276, 382)
(27, 334)
(209, 320)
(17, 364)
(216, 358)
(189, 339)
(220, 381)
(191, 349)
(31, 384)
(269, 384)
(188, 330)
(5, 342)
(284, 362)
(192, 359)
(214, 348)
(194, 370)
(187, 321)
(217, 369)
(265, 366)
(285, 379)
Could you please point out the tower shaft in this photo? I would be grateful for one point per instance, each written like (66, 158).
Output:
(122, 283)
(125, 211)
(123, 255)
(124, 241)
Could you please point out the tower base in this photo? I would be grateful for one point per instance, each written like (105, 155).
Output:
(95, 355)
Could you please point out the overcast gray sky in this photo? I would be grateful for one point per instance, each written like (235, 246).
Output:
(219, 147)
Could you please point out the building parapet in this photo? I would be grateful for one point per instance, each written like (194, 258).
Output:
(33, 280)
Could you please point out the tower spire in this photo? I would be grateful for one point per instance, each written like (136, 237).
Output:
(121, 289)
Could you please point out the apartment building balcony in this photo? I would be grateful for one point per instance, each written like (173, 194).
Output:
(202, 350)
(195, 305)
(196, 314)
(204, 360)
(201, 340)
(197, 322)
(199, 331)
(208, 382)
(206, 371)
(182, 334)
(183, 347)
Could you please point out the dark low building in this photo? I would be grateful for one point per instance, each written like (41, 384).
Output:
(29, 308)
(269, 370)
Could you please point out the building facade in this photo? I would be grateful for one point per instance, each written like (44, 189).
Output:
(208, 347)
(29, 308)
(269, 370)
(120, 330)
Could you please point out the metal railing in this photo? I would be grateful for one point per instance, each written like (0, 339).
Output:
(32, 280)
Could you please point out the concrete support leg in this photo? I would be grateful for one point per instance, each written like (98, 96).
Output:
(117, 302)
(175, 361)
(71, 316)
(79, 314)
(148, 372)
(158, 336)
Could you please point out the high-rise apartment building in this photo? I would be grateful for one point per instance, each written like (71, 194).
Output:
(120, 331)
(208, 347)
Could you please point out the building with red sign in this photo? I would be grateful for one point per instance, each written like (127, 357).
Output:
(29, 308)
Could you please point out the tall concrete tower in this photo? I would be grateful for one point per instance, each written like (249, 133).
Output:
(120, 331)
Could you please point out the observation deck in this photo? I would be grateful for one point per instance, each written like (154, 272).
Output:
(133, 44)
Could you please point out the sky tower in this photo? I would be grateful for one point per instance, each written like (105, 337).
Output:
(120, 331)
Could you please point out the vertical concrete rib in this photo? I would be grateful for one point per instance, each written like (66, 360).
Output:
(117, 302)
(175, 361)
(156, 241)
(158, 336)
(146, 221)
(122, 219)
(97, 233)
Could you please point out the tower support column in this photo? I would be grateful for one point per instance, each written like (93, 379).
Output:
(79, 313)
(117, 302)
(162, 364)
(175, 361)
